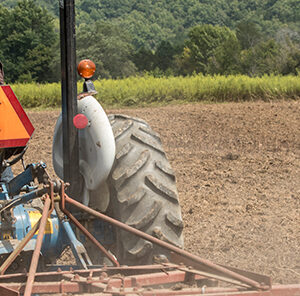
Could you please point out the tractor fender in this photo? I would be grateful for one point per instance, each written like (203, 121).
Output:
(96, 152)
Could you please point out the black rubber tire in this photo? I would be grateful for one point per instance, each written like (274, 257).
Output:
(143, 192)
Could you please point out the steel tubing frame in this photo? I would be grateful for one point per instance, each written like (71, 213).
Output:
(117, 281)
(165, 245)
(95, 286)
(121, 284)
(90, 237)
(85, 231)
(37, 250)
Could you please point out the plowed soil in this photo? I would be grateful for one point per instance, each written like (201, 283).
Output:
(238, 177)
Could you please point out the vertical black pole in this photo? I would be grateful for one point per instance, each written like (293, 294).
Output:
(69, 95)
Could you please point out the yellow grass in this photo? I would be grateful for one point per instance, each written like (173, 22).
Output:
(142, 91)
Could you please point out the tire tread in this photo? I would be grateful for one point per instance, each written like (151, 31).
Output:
(143, 191)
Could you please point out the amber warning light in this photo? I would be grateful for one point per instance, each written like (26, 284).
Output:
(86, 69)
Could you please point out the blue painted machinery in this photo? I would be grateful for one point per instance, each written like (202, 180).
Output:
(22, 198)
(20, 209)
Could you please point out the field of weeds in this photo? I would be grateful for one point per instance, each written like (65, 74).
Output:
(148, 90)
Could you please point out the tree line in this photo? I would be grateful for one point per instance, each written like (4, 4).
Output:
(161, 37)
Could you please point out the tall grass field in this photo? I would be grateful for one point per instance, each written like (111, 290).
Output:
(148, 90)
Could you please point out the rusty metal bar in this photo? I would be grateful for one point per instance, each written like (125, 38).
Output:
(212, 276)
(57, 287)
(36, 253)
(91, 237)
(19, 277)
(86, 232)
(168, 246)
(116, 281)
(278, 290)
(150, 279)
(83, 287)
(10, 259)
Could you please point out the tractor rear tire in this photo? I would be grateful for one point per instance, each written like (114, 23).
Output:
(143, 192)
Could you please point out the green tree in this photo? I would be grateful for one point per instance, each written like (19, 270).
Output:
(248, 34)
(149, 23)
(26, 41)
(226, 57)
(109, 46)
(289, 53)
(144, 59)
(261, 59)
(184, 62)
(210, 44)
(165, 55)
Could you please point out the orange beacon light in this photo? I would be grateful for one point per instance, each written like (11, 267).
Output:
(86, 69)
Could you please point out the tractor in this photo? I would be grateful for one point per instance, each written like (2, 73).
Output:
(123, 171)
(124, 224)
(114, 204)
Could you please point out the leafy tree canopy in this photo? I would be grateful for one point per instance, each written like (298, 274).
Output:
(150, 22)
(26, 41)
(165, 36)
(109, 46)
(203, 43)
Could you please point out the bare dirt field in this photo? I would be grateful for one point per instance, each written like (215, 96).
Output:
(238, 177)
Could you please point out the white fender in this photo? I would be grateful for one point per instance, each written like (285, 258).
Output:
(96, 152)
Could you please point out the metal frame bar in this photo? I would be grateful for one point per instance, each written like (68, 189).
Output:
(117, 281)
(208, 265)
(139, 280)
(85, 231)
(38, 246)
(69, 94)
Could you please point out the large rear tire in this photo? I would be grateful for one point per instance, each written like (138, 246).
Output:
(143, 192)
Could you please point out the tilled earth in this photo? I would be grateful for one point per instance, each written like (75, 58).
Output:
(238, 177)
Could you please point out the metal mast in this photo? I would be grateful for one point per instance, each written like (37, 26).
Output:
(69, 94)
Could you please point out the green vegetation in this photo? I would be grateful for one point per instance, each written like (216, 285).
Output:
(26, 42)
(150, 22)
(109, 46)
(143, 91)
(178, 37)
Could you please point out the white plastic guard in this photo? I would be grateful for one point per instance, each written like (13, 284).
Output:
(96, 150)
